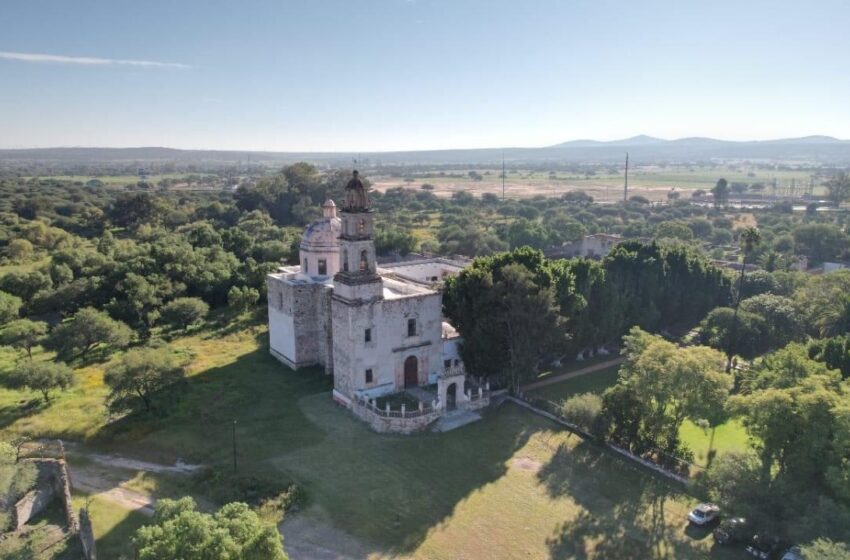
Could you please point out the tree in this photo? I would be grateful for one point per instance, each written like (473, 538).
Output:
(783, 321)
(506, 308)
(721, 193)
(825, 303)
(750, 332)
(139, 376)
(820, 242)
(234, 532)
(529, 319)
(183, 312)
(834, 352)
(43, 377)
(242, 297)
(10, 307)
(825, 549)
(19, 250)
(674, 230)
(23, 333)
(87, 329)
(671, 384)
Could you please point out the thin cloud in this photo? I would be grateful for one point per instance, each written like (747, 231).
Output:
(87, 60)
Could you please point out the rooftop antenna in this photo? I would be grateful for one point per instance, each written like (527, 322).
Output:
(503, 175)
(626, 183)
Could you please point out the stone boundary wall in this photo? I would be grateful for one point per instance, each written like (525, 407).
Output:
(618, 450)
(53, 481)
(87, 536)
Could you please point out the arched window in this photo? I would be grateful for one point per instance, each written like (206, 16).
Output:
(344, 260)
(364, 260)
(361, 226)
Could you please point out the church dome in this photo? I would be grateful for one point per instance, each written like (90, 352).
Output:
(319, 253)
(322, 235)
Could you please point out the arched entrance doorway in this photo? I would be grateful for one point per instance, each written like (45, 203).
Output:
(411, 372)
(451, 396)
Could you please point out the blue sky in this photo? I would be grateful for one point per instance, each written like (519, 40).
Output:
(367, 75)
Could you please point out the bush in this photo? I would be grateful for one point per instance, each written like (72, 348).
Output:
(184, 312)
(584, 411)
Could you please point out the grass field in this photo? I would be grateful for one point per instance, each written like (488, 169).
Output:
(653, 182)
(510, 486)
(728, 437)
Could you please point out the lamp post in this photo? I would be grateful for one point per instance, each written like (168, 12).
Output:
(234, 446)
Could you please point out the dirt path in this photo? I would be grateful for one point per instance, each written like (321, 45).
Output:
(98, 486)
(584, 371)
(102, 476)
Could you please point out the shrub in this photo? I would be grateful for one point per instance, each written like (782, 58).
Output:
(584, 411)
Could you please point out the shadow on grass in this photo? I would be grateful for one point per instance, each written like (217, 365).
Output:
(196, 423)
(389, 491)
(9, 414)
(625, 509)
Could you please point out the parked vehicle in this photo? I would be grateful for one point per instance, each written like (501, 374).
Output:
(793, 553)
(765, 547)
(735, 530)
(704, 514)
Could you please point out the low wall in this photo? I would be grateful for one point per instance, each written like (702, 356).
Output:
(53, 481)
(87, 536)
(619, 450)
(414, 421)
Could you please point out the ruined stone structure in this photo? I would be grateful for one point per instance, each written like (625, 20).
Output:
(378, 331)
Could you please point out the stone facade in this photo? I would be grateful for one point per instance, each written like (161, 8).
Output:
(378, 331)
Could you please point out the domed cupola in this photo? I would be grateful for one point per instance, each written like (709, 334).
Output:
(320, 244)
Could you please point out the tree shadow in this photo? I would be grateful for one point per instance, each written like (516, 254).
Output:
(627, 512)
(9, 414)
(389, 491)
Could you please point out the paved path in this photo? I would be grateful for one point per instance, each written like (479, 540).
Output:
(584, 371)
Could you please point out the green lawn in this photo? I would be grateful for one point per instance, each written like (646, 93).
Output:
(595, 382)
(729, 436)
(113, 526)
(510, 486)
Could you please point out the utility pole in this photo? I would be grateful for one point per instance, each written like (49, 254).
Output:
(503, 175)
(234, 446)
(626, 183)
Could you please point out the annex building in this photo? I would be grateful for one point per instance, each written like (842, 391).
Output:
(378, 330)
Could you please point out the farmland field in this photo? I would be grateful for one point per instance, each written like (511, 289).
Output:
(652, 182)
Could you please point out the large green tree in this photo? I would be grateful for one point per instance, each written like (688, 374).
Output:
(669, 384)
(87, 329)
(43, 377)
(23, 333)
(140, 376)
(506, 308)
(234, 532)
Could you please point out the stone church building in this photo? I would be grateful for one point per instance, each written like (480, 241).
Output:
(377, 330)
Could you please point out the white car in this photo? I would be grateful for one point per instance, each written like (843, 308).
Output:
(704, 514)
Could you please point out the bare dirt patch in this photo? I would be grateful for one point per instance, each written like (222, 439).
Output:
(526, 464)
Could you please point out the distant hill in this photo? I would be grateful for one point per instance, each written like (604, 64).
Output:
(642, 149)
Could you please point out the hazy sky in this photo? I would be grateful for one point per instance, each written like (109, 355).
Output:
(367, 75)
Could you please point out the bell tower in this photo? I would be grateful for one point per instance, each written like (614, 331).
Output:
(357, 278)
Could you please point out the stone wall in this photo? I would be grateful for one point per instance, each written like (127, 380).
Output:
(396, 424)
(389, 346)
(53, 481)
(87, 536)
